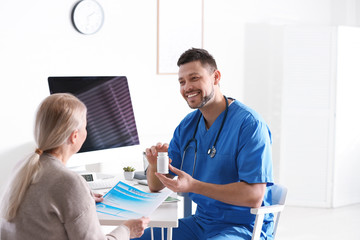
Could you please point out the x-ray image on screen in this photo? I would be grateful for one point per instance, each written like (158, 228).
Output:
(110, 118)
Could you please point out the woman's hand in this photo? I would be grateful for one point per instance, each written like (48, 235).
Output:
(137, 226)
(97, 197)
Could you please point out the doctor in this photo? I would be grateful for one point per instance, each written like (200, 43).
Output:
(221, 155)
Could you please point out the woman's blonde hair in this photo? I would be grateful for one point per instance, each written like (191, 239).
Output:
(58, 116)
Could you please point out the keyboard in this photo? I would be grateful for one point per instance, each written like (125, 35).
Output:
(103, 183)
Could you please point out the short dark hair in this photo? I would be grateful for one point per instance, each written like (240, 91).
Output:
(198, 54)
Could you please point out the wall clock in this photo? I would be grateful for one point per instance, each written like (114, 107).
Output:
(87, 16)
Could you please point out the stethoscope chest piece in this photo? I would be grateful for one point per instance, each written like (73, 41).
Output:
(212, 151)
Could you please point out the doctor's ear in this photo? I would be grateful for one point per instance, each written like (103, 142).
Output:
(217, 77)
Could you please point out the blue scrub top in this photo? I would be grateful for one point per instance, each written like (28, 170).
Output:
(243, 153)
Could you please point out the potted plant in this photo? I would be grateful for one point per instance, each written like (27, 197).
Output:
(129, 173)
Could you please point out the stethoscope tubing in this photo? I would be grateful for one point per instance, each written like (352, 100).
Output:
(212, 150)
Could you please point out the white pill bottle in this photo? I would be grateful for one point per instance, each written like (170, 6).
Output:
(163, 163)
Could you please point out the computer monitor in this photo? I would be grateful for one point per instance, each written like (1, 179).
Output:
(110, 117)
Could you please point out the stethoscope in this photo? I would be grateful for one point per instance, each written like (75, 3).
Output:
(211, 151)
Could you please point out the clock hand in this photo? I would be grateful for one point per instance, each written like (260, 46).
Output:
(89, 16)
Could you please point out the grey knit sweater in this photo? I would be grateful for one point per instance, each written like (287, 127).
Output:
(58, 207)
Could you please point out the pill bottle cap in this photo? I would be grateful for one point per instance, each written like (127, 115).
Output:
(162, 154)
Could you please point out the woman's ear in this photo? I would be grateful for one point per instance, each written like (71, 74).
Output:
(74, 136)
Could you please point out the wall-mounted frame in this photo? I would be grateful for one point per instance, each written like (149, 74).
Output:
(180, 26)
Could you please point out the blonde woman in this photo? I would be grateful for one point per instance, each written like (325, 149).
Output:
(45, 200)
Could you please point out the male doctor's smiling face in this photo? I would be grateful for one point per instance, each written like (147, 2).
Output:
(196, 84)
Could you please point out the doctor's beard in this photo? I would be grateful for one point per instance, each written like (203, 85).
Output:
(204, 100)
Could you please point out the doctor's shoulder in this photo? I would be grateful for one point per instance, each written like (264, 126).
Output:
(247, 113)
(190, 119)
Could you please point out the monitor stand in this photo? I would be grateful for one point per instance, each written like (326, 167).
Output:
(140, 175)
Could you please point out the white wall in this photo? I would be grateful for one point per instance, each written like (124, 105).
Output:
(37, 40)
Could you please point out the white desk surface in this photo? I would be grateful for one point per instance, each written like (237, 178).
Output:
(164, 216)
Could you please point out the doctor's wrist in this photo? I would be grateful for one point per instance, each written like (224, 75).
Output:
(152, 169)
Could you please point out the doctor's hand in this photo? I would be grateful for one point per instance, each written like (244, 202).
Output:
(184, 182)
(151, 153)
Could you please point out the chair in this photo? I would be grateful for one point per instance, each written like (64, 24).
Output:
(278, 202)
(278, 193)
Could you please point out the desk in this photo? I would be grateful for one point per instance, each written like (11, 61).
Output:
(164, 216)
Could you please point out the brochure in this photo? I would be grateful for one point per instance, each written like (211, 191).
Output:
(128, 202)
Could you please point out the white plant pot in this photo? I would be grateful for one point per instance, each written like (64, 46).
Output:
(129, 175)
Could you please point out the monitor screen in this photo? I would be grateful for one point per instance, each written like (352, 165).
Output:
(110, 116)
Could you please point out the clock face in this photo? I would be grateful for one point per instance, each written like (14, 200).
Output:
(88, 16)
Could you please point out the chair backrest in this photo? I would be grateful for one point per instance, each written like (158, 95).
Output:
(278, 193)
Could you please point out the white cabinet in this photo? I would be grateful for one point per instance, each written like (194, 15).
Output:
(347, 124)
(304, 81)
